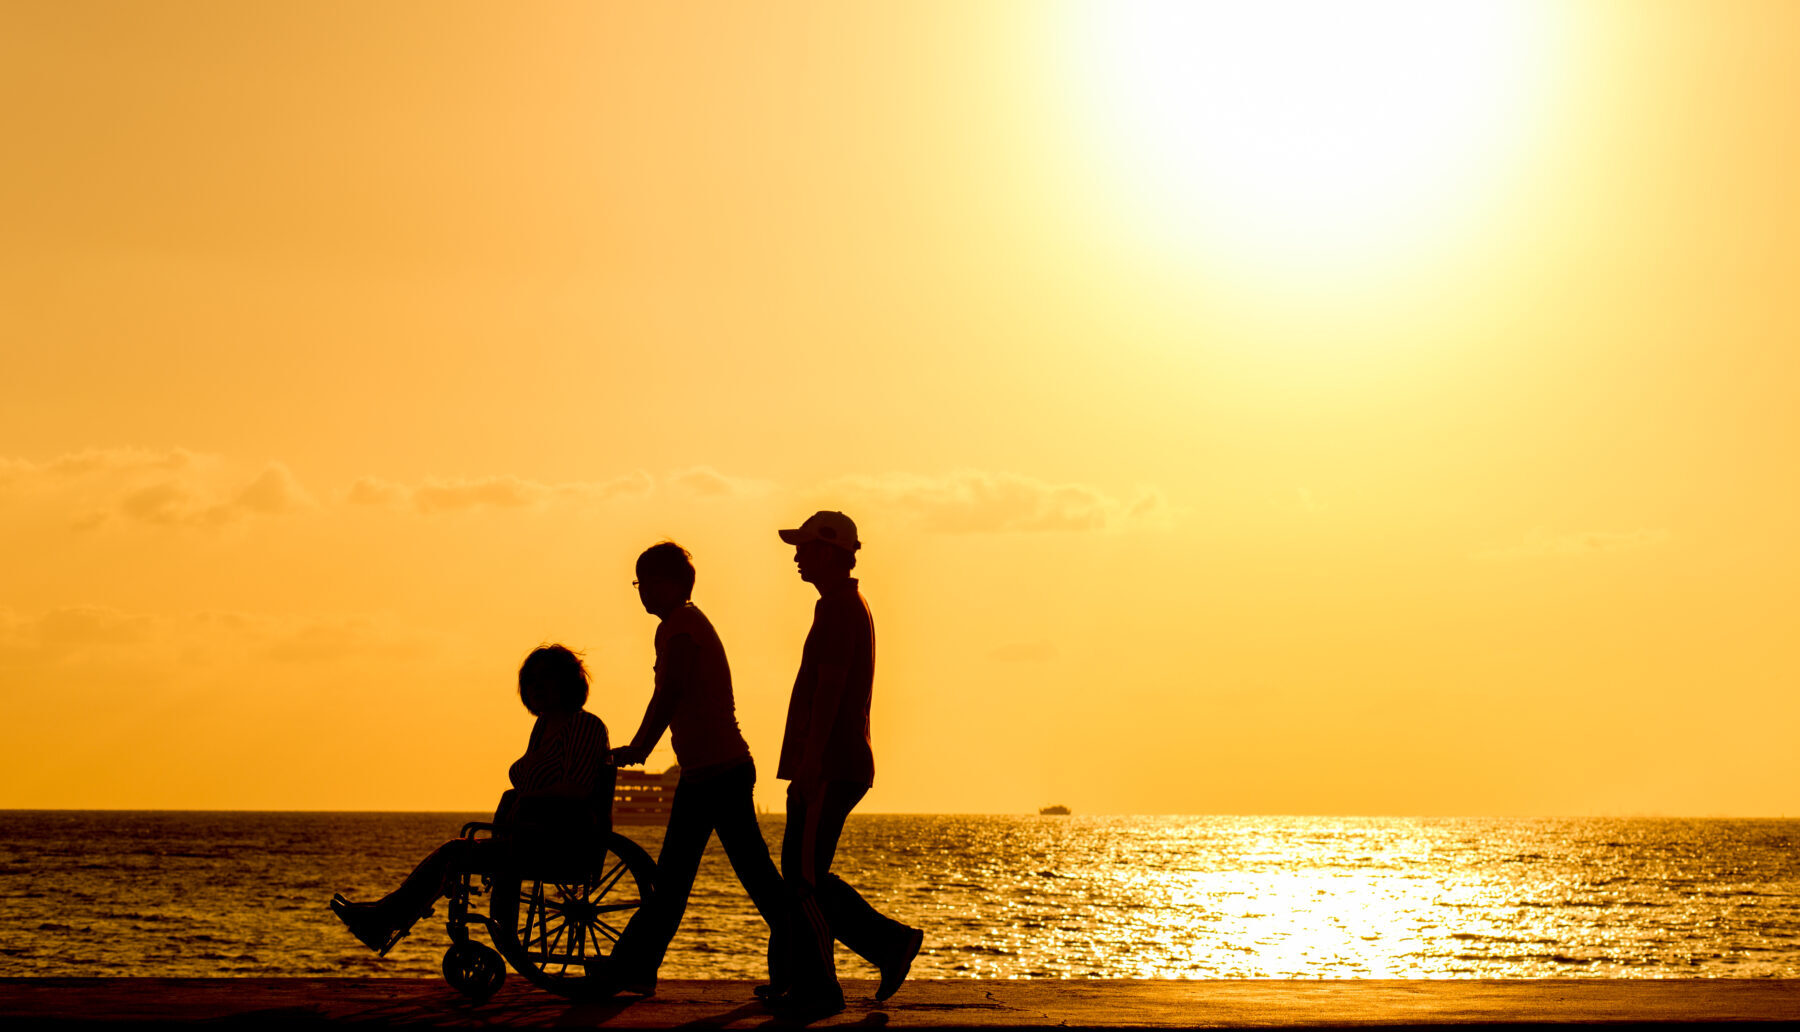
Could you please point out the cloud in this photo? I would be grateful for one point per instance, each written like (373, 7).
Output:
(1539, 544)
(170, 487)
(971, 502)
(182, 501)
(707, 482)
(273, 492)
(79, 636)
(375, 491)
(494, 492)
(84, 634)
(99, 460)
(435, 495)
(337, 639)
(69, 629)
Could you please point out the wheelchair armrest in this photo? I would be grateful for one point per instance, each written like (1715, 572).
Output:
(472, 827)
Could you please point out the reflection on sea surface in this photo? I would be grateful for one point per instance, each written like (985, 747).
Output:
(999, 897)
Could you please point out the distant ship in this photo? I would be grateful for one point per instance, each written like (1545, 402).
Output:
(1058, 810)
(640, 797)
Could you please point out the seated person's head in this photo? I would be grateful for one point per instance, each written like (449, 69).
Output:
(552, 680)
(665, 577)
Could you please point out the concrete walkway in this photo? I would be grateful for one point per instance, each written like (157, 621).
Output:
(316, 1002)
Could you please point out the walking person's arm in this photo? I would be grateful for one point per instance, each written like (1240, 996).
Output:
(834, 657)
(676, 667)
(827, 699)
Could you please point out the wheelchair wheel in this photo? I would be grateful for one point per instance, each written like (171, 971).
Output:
(559, 933)
(474, 970)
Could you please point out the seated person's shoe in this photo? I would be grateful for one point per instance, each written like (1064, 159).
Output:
(768, 993)
(369, 923)
(894, 972)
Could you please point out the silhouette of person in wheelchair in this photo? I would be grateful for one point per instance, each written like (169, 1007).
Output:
(555, 870)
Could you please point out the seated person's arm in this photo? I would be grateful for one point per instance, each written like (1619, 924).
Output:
(676, 664)
(509, 801)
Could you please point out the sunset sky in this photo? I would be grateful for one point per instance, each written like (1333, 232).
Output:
(1281, 408)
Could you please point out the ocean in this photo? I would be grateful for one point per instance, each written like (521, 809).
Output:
(109, 893)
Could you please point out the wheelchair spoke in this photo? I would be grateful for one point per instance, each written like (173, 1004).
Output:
(552, 933)
(571, 916)
(610, 878)
(542, 912)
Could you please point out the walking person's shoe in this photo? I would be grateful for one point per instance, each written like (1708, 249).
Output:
(804, 1007)
(894, 973)
(612, 984)
(638, 985)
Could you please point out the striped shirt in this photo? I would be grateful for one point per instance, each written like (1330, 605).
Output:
(566, 756)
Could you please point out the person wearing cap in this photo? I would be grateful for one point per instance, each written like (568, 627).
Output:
(826, 756)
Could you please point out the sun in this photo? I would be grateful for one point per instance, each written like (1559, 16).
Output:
(1308, 135)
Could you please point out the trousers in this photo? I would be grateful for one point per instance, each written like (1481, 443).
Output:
(815, 821)
(721, 803)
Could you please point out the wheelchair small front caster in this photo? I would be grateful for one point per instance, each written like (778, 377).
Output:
(474, 970)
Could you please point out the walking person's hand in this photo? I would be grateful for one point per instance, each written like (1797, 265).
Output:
(626, 756)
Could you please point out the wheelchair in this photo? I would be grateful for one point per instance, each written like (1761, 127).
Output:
(556, 924)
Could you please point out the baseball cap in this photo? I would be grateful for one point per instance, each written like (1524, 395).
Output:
(833, 528)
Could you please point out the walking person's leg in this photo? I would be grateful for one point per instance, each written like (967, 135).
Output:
(641, 947)
(877, 938)
(811, 931)
(741, 835)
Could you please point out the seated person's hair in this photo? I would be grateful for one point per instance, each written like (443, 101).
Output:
(558, 674)
(668, 561)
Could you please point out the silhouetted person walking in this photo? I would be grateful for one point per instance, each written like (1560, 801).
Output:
(825, 753)
(693, 701)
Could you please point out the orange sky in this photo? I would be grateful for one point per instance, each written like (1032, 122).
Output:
(1267, 413)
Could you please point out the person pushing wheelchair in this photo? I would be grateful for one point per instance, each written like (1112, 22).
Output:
(693, 701)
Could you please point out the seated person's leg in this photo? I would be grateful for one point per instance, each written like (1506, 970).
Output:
(381, 924)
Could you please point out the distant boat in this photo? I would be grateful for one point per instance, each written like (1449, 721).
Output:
(1058, 810)
(640, 797)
